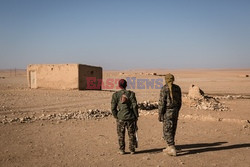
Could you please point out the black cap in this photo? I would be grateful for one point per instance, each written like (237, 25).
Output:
(122, 83)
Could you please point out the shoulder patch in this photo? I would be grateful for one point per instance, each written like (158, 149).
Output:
(124, 99)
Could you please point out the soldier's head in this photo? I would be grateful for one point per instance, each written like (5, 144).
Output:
(122, 83)
(169, 78)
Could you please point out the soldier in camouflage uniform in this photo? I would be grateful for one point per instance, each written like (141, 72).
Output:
(169, 107)
(124, 108)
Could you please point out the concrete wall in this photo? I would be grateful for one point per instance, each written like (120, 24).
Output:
(58, 76)
(86, 72)
(61, 76)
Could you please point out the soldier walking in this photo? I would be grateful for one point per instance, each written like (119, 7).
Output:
(169, 106)
(125, 110)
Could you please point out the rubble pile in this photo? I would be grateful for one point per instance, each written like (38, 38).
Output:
(231, 97)
(147, 105)
(207, 103)
(197, 99)
(79, 115)
(97, 114)
(20, 120)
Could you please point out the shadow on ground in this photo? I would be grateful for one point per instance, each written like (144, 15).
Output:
(188, 149)
(151, 151)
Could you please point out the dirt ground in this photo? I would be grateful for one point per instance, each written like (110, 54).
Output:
(206, 138)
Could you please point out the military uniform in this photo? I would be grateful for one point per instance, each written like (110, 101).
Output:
(169, 106)
(126, 114)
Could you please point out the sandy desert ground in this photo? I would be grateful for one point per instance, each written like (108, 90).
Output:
(41, 127)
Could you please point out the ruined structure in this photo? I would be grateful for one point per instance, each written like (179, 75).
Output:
(63, 76)
(196, 99)
(195, 92)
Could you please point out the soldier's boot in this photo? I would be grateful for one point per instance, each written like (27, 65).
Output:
(178, 150)
(170, 150)
(121, 152)
(132, 151)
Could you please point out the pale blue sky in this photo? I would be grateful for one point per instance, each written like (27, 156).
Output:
(126, 34)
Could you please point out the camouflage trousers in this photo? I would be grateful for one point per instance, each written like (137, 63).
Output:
(170, 125)
(121, 128)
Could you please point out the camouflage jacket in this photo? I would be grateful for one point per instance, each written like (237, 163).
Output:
(165, 101)
(127, 110)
